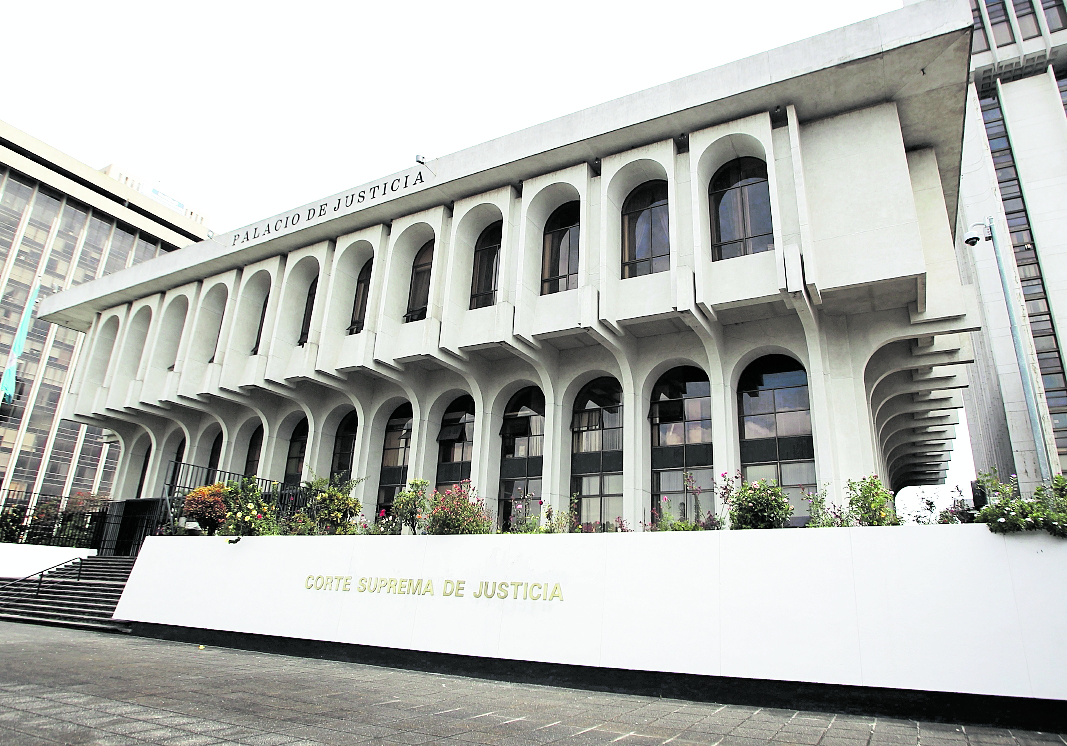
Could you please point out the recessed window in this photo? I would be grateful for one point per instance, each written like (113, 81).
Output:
(344, 447)
(522, 436)
(455, 443)
(262, 322)
(1024, 13)
(998, 21)
(294, 458)
(395, 452)
(740, 209)
(559, 259)
(775, 422)
(979, 42)
(596, 454)
(419, 290)
(255, 447)
(359, 302)
(1055, 15)
(486, 264)
(309, 309)
(680, 417)
(646, 244)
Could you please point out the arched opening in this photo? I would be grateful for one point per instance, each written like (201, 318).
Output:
(214, 457)
(559, 259)
(344, 447)
(740, 200)
(133, 346)
(294, 457)
(309, 308)
(143, 476)
(105, 345)
(254, 452)
(203, 347)
(646, 244)
(359, 302)
(775, 427)
(170, 333)
(522, 457)
(455, 443)
(596, 454)
(682, 467)
(419, 289)
(486, 265)
(174, 473)
(395, 453)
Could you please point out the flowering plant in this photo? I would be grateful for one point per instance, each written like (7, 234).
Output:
(207, 506)
(248, 514)
(664, 519)
(409, 506)
(458, 510)
(333, 508)
(1008, 512)
(761, 504)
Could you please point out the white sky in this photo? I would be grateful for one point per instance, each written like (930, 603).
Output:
(243, 110)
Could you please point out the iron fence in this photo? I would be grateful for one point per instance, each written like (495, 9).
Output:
(77, 520)
(286, 499)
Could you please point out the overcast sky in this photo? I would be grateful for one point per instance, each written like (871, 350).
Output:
(243, 110)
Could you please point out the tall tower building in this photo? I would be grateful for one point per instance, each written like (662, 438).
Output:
(1014, 179)
(62, 223)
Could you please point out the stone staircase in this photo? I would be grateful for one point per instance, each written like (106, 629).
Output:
(82, 594)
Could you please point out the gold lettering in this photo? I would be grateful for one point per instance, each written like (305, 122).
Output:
(329, 583)
(319, 580)
(348, 579)
(382, 583)
(403, 589)
(362, 587)
(525, 591)
(450, 588)
(557, 592)
(478, 593)
(515, 588)
(535, 587)
(429, 587)
(459, 588)
(310, 582)
(392, 585)
(415, 589)
(502, 589)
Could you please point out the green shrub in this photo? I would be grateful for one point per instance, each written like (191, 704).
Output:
(409, 506)
(1007, 512)
(248, 514)
(870, 503)
(458, 510)
(333, 509)
(761, 504)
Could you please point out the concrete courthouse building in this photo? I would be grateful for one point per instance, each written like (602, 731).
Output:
(757, 268)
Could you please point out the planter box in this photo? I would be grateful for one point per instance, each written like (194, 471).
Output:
(935, 608)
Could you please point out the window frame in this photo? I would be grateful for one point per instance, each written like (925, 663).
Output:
(484, 285)
(419, 295)
(638, 266)
(744, 189)
(552, 240)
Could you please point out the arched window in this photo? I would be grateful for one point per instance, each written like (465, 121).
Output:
(344, 447)
(359, 304)
(255, 448)
(419, 291)
(486, 264)
(262, 321)
(521, 459)
(740, 209)
(294, 458)
(775, 425)
(559, 261)
(309, 308)
(214, 456)
(176, 468)
(646, 243)
(596, 454)
(681, 444)
(394, 472)
(455, 443)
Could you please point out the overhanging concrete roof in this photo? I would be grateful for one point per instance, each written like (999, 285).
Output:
(917, 57)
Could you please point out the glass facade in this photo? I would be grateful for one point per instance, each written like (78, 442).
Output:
(486, 265)
(522, 438)
(596, 454)
(455, 443)
(680, 416)
(646, 244)
(50, 240)
(559, 260)
(1035, 294)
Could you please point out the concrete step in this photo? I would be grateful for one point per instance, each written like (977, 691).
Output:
(110, 626)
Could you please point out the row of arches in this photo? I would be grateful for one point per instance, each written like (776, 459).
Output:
(774, 426)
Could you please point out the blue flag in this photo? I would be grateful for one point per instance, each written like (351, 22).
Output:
(7, 382)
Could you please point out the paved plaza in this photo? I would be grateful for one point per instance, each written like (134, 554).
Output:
(60, 686)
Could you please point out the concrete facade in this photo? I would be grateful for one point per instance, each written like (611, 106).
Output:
(860, 133)
(62, 223)
(1015, 172)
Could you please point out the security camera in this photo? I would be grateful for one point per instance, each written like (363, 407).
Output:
(971, 238)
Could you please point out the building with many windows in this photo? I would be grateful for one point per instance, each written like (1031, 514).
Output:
(62, 224)
(749, 270)
(1014, 177)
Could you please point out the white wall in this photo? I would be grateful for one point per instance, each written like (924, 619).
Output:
(20, 560)
(936, 608)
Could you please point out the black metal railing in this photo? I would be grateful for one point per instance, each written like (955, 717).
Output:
(77, 520)
(286, 499)
(17, 590)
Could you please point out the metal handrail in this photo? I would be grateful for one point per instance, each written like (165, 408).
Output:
(40, 578)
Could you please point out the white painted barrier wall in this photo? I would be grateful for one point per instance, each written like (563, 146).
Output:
(20, 560)
(938, 608)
